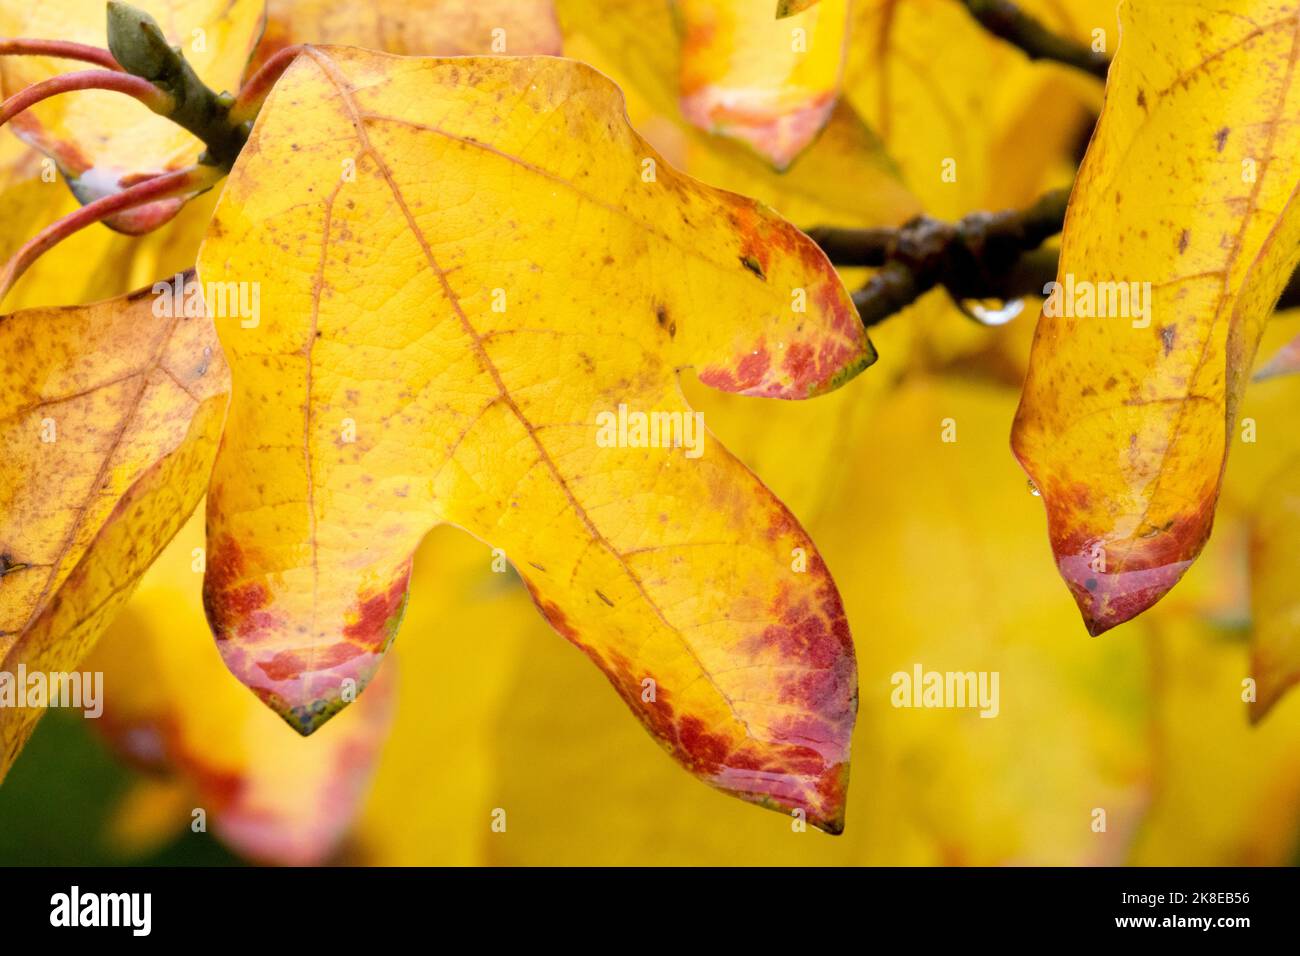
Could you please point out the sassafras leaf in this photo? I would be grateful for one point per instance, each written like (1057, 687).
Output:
(463, 263)
(1182, 230)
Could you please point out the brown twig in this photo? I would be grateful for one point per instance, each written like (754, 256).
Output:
(1006, 20)
(982, 256)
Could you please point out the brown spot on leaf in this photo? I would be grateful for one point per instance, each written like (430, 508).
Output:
(665, 321)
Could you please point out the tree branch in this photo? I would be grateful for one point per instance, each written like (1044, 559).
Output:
(982, 256)
(138, 43)
(1004, 19)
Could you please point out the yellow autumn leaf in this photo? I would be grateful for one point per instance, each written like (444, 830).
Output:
(414, 27)
(1228, 791)
(174, 708)
(1275, 606)
(103, 141)
(628, 42)
(942, 124)
(435, 266)
(109, 419)
(771, 83)
(843, 178)
(1181, 233)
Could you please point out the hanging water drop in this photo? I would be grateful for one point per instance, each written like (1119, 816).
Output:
(992, 316)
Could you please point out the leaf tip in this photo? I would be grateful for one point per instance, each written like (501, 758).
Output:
(779, 135)
(1257, 710)
(834, 826)
(836, 787)
(306, 719)
(1272, 687)
(1107, 599)
(864, 359)
(789, 8)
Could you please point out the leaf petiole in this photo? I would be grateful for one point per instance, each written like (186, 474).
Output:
(255, 90)
(63, 49)
(181, 183)
(144, 91)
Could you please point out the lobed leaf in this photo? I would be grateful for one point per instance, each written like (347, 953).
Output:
(945, 786)
(843, 178)
(1188, 190)
(383, 206)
